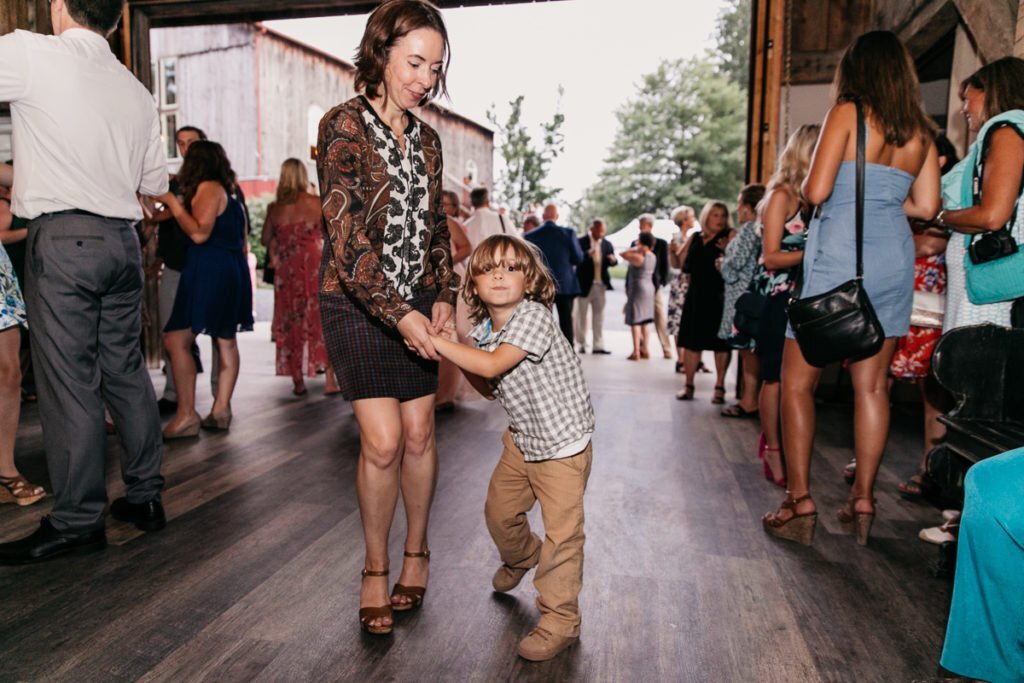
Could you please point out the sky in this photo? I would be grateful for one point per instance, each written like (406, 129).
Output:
(597, 49)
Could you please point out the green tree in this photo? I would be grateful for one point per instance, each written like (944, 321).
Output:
(681, 140)
(732, 34)
(526, 163)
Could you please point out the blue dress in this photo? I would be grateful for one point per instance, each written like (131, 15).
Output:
(985, 633)
(215, 291)
(830, 257)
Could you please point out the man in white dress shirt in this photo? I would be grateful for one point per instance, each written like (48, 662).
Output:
(485, 221)
(87, 137)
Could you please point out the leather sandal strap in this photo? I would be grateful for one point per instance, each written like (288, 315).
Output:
(425, 554)
(373, 572)
(791, 502)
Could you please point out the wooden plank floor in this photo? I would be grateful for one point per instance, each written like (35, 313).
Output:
(256, 575)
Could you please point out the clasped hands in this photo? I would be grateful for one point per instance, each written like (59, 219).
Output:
(416, 329)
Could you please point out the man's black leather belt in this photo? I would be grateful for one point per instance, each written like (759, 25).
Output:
(78, 212)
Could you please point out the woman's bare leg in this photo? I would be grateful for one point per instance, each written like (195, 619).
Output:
(799, 380)
(183, 367)
(381, 444)
(751, 375)
(870, 420)
(10, 397)
(227, 375)
(418, 482)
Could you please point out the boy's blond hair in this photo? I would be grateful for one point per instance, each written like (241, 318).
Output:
(539, 286)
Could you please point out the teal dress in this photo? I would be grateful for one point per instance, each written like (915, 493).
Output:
(985, 633)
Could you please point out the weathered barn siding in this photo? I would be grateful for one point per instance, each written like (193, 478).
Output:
(262, 94)
(464, 144)
(297, 86)
(216, 70)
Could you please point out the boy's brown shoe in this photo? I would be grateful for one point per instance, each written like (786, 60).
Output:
(542, 644)
(507, 578)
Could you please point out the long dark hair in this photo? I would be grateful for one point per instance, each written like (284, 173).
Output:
(392, 20)
(877, 70)
(205, 160)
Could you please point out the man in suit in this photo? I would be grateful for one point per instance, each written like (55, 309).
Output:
(660, 280)
(562, 253)
(599, 254)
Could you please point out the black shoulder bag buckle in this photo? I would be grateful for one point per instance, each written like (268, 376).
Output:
(840, 324)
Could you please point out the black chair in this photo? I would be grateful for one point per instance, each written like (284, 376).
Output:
(982, 366)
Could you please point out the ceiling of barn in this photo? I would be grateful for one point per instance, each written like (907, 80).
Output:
(190, 12)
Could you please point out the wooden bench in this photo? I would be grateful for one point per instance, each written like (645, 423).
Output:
(982, 366)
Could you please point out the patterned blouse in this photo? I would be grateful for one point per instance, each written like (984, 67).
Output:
(387, 235)
(783, 281)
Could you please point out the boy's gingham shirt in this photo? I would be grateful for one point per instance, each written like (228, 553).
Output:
(545, 395)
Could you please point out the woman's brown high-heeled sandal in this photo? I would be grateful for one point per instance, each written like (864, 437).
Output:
(18, 490)
(686, 394)
(798, 527)
(719, 396)
(857, 522)
(369, 614)
(414, 593)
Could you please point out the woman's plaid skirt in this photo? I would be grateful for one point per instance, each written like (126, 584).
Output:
(369, 358)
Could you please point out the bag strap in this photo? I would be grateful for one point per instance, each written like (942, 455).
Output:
(979, 169)
(860, 189)
(501, 219)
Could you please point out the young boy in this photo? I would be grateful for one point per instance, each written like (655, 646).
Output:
(524, 361)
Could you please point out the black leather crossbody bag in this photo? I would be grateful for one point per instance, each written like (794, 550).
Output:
(840, 324)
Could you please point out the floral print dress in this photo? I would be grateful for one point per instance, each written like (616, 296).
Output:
(12, 305)
(297, 328)
(913, 356)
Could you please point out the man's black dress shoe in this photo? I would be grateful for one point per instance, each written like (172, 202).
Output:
(602, 352)
(47, 543)
(166, 406)
(148, 516)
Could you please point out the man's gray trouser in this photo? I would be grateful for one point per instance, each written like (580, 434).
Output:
(83, 293)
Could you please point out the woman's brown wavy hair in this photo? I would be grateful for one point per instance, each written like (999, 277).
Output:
(1002, 81)
(877, 70)
(205, 160)
(387, 24)
(539, 286)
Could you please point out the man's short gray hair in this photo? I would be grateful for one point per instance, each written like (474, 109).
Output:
(646, 218)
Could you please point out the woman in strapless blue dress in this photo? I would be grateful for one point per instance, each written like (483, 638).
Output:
(901, 179)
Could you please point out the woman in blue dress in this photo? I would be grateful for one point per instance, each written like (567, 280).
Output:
(901, 180)
(215, 291)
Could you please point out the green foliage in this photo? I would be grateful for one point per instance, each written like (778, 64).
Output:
(681, 140)
(732, 33)
(257, 207)
(523, 180)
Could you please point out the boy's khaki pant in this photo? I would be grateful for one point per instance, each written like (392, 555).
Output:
(559, 486)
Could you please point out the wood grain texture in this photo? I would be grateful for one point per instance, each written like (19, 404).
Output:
(255, 577)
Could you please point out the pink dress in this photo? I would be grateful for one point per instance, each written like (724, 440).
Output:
(297, 329)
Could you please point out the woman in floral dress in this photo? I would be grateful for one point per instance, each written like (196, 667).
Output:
(295, 241)
(13, 487)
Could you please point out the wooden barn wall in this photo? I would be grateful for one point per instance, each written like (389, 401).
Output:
(295, 85)
(461, 143)
(216, 75)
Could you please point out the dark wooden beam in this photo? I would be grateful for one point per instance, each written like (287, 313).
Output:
(165, 13)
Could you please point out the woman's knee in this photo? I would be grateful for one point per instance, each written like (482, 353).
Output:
(419, 437)
(381, 450)
(10, 372)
